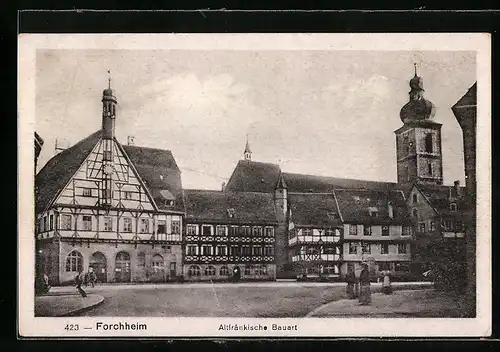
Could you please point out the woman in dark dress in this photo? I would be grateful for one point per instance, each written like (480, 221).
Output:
(351, 281)
(365, 295)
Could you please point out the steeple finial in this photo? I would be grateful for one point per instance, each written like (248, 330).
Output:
(248, 152)
(415, 64)
(109, 79)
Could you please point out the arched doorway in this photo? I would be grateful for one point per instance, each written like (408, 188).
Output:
(122, 267)
(236, 273)
(98, 265)
(158, 267)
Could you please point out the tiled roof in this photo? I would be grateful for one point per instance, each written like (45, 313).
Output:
(355, 205)
(160, 173)
(216, 206)
(323, 184)
(439, 196)
(59, 170)
(319, 209)
(469, 98)
(252, 176)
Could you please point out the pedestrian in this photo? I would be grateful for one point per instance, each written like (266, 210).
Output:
(92, 278)
(351, 282)
(365, 296)
(78, 281)
(386, 283)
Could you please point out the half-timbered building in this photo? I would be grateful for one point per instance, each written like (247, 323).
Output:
(113, 209)
(229, 235)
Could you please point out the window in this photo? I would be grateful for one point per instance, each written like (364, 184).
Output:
(406, 230)
(257, 250)
(459, 225)
(210, 270)
(422, 227)
(127, 195)
(157, 264)
(353, 248)
(176, 227)
(194, 270)
(384, 266)
(221, 230)
(87, 223)
(51, 224)
(373, 212)
(42, 229)
(415, 213)
(384, 249)
(415, 198)
(141, 260)
(401, 248)
(401, 267)
(206, 250)
(428, 143)
(306, 232)
(162, 226)
(191, 230)
(107, 155)
(429, 169)
(353, 230)
(366, 248)
(206, 230)
(269, 232)
(108, 223)
(144, 227)
(74, 262)
(45, 223)
(221, 250)
(224, 271)
(87, 192)
(261, 270)
(447, 225)
(385, 230)
(406, 143)
(66, 222)
(191, 249)
(173, 268)
(367, 230)
(127, 225)
(268, 250)
(245, 250)
(234, 250)
(453, 206)
(433, 226)
(248, 269)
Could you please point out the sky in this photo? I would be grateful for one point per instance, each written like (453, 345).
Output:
(330, 113)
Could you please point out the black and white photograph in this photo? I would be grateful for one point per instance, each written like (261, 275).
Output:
(258, 185)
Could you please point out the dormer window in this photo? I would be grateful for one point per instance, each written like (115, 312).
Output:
(356, 198)
(169, 203)
(331, 215)
(230, 213)
(373, 212)
(453, 206)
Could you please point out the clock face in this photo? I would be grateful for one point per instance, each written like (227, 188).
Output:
(108, 169)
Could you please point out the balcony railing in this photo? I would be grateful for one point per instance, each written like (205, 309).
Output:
(315, 257)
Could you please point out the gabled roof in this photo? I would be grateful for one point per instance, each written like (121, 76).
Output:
(323, 184)
(38, 139)
(59, 170)
(440, 196)
(355, 206)
(253, 176)
(216, 206)
(159, 172)
(469, 98)
(314, 209)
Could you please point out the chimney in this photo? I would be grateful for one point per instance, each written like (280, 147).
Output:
(223, 186)
(59, 146)
(456, 185)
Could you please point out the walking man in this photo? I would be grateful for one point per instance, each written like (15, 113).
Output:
(365, 295)
(78, 282)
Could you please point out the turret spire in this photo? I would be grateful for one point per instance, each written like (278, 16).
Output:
(109, 79)
(248, 152)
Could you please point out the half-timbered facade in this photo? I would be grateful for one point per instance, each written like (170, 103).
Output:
(112, 209)
(229, 236)
(314, 236)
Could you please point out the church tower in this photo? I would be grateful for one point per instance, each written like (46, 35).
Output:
(108, 135)
(418, 141)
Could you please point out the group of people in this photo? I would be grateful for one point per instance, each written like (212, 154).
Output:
(358, 287)
(85, 279)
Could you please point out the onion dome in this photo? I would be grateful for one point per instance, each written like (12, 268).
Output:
(418, 108)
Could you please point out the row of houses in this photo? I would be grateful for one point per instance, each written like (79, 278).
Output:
(121, 211)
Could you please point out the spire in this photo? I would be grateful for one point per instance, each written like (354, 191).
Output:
(281, 182)
(414, 64)
(248, 152)
(109, 79)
